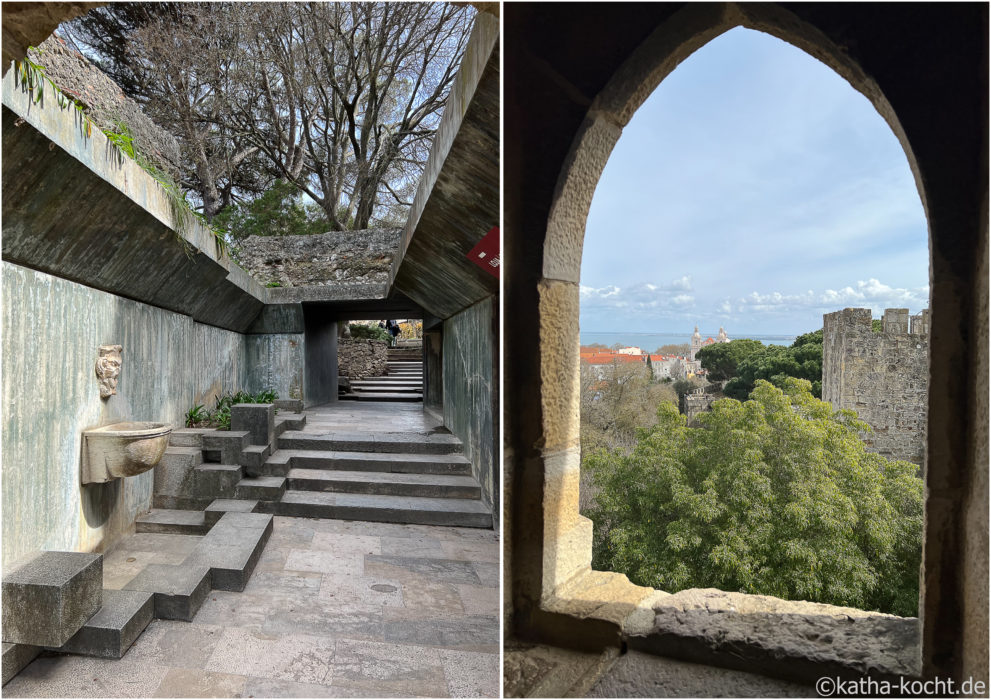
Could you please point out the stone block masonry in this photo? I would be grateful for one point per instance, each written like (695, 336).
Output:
(884, 377)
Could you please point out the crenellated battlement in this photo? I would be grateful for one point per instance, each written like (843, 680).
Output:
(883, 376)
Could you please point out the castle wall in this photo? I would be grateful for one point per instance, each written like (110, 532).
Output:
(884, 377)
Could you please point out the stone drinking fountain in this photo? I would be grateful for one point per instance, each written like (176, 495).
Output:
(122, 449)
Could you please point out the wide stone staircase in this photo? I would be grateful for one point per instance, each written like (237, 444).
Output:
(411, 478)
(402, 382)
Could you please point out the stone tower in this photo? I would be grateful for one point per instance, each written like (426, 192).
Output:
(884, 376)
(696, 343)
(721, 338)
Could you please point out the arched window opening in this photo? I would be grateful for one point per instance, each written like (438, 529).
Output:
(778, 447)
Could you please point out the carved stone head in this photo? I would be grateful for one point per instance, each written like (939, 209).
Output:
(108, 369)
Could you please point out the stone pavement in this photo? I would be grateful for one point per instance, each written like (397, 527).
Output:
(334, 609)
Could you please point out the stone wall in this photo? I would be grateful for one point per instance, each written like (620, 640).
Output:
(105, 103)
(358, 358)
(884, 377)
(334, 258)
(695, 403)
(52, 329)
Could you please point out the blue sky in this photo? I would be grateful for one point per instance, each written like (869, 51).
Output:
(756, 190)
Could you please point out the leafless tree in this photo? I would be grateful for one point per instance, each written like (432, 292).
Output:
(349, 96)
(179, 60)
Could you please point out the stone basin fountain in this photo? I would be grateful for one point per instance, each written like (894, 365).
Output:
(122, 449)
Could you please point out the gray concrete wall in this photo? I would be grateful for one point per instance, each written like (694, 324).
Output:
(52, 329)
(320, 352)
(275, 361)
(471, 390)
(433, 370)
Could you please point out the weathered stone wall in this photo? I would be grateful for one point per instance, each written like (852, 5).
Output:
(105, 103)
(884, 377)
(358, 358)
(334, 258)
(52, 330)
(695, 403)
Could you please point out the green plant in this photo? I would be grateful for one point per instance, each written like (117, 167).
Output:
(774, 495)
(31, 78)
(196, 415)
(361, 331)
(274, 284)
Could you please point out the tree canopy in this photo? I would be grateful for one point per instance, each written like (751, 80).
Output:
(721, 360)
(742, 362)
(774, 495)
(341, 99)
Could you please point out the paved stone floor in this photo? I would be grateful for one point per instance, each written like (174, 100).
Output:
(373, 417)
(334, 609)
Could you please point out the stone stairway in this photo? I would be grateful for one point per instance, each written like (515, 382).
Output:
(403, 381)
(411, 478)
(55, 601)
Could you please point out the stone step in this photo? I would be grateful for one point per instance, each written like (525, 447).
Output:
(261, 488)
(281, 462)
(217, 508)
(384, 381)
(455, 512)
(48, 596)
(378, 388)
(225, 446)
(215, 481)
(289, 421)
(16, 657)
(384, 483)
(176, 522)
(110, 633)
(230, 551)
(402, 443)
(381, 396)
(179, 590)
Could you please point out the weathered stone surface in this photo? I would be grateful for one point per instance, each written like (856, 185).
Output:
(110, 633)
(326, 259)
(105, 102)
(257, 419)
(290, 405)
(228, 443)
(49, 597)
(794, 640)
(636, 674)
(16, 657)
(179, 590)
(216, 510)
(358, 358)
(231, 549)
(108, 369)
(884, 377)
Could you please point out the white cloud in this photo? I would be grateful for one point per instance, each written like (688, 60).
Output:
(873, 294)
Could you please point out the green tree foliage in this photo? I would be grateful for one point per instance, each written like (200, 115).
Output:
(744, 361)
(721, 360)
(360, 330)
(277, 212)
(775, 495)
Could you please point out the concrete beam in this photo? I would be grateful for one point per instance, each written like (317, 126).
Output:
(75, 208)
(457, 201)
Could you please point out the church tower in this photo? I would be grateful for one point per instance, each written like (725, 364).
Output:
(696, 343)
(721, 338)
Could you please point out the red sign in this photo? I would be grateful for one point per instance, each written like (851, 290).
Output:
(486, 253)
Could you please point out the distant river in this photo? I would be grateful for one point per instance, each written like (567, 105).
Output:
(652, 341)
